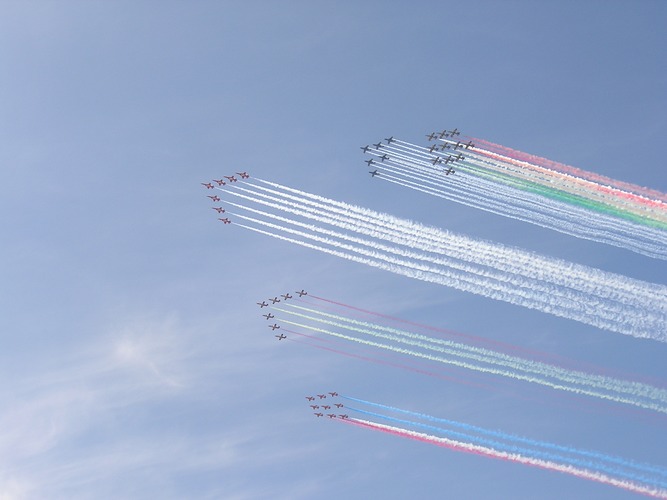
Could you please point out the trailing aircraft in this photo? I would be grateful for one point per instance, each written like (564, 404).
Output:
(318, 414)
(450, 170)
(219, 209)
(225, 220)
(334, 393)
(364, 148)
(390, 140)
(207, 184)
(274, 326)
(274, 300)
(220, 182)
(281, 336)
(286, 296)
(262, 304)
(302, 293)
(310, 398)
(214, 198)
(384, 157)
(377, 145)
(431, 136)
(244, 175)
(370, 162)
(268, 316)
(230, 178)
(373, 172)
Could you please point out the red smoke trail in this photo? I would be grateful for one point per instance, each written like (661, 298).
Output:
(646, 194)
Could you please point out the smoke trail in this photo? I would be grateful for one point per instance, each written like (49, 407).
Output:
(482, 360)
(490, 452)
(588, 295)
(536, 194)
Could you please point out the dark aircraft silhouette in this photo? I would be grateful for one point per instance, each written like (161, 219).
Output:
(244, 175)
(274, 300)
(390, 140)
(314, 407)
(322, 396)
(219, 209)
(469, 145)
(454, 132)
(220, 182)
(444, 145)
(373, 172)
(268, 316)
(364, 148)
(436, 160)
(280, 337)
(225, 220)
(326, 407)
(274, 326)
(207, 184)
(331, 415)
(310, 398)
(450, 170)
(334, 393)
(230, 178)
(432, 148)
(370, 162)
(302, 293)
(214, 198)
(377, 145)
(431, 136)
(286, 296)
(459, 157)
(338, 405)
(318, 414)
(384, 157)
(343, 416)
(262, 304)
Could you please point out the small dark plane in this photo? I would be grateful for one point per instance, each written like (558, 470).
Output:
(280, 337)
(274, 326)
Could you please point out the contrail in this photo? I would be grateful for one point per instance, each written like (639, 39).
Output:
(475, 358)
(508, 184)
(616, 471)
(511, 457)
(585, 294)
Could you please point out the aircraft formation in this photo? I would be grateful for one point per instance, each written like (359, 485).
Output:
(326, 407)
(387, 157)
(275, 300)
(223, 182)
(601, 299)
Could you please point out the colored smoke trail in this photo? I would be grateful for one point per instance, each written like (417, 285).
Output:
(472, 357)
(515, 188)
(511, 457)
(605, 300)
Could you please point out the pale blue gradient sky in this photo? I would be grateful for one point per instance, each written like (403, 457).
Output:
(134, 362)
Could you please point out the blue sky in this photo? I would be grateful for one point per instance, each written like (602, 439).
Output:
(134, 361)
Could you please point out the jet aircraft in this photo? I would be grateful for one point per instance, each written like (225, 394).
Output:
(377, 145)
(436, 160)
(244, 175)
(219, 209)
(280, 337)
(302, 293)
(458, 145)
(364, 148)
(318, 414)
(274, 300)
(469, 145)
(268, 316)
(459, 157)
(432, 148)
(431, 136)
(225, 220)
(262, 304)
(214, 198)
(314, 407)
(454, 132)
(444, 145)
(334, 393)
(338, 405)
(343, 416)
(274, 326)
(230, 178)
(370, 162)
(326, 407)
(322, 396)
(373, 172)
(389, 140)
(384, 157)
(331, 415)
(220, 182)
(207, 184)
(286, 296)
(450, 170)
(310, 398)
